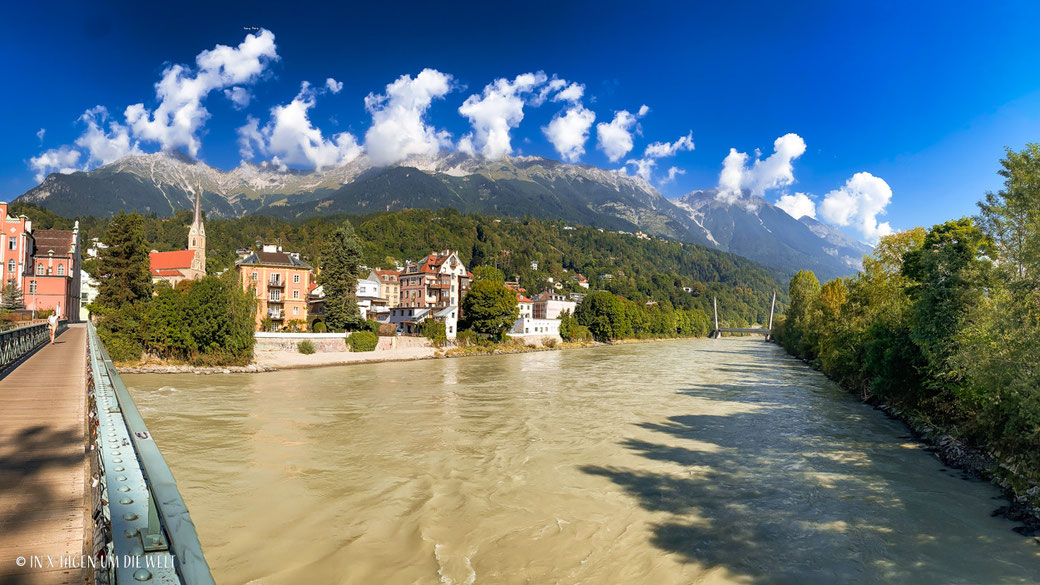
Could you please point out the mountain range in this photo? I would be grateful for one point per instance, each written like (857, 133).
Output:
(165, 182)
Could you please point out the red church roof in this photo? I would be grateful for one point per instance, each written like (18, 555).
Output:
(162, 263)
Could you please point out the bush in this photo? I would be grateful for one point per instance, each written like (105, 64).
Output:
(435, 332)
(43, 314)
(362, 341)
(581, 334)
(387, 330)
(549, 341)
(306, 347)
(319, 327)
(466, 338)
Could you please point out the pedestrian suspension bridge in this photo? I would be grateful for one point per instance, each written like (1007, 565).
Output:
(767, 331)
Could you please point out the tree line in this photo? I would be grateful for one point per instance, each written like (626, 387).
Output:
(943, 322)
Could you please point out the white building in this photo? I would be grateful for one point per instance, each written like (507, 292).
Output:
(88, 289)
(529, 327)
(370, 302)
(549, 305)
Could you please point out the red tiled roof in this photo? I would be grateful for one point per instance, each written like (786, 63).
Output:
(168, 263)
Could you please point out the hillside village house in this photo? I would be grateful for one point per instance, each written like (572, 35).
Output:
(43, 264)
(431, 289)
(532, 320)
(179, 265)
(549, 305)
(281, 281)
(389, 285)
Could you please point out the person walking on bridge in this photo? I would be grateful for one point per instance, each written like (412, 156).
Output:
(52, 322)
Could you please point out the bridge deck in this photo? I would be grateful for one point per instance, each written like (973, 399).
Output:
(758, 330)
(43, 462)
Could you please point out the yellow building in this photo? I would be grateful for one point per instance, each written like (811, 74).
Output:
(389, 285)
(282, 282)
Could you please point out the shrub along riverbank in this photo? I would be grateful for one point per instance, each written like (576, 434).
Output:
(942, 324)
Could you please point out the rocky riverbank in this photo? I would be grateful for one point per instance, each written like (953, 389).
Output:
(973, 462)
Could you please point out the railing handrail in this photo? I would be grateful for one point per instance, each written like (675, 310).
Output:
(184, 540)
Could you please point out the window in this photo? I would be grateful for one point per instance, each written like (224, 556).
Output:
(11, 266)
(39, 268)
(32, 287)
(83, 297)
(253, 276)
(61, 270)
(12, 244)
(296, 279)
(295, 310)
(276, 295)
(295, 294)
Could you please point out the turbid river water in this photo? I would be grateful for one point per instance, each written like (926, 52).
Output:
(703, 461)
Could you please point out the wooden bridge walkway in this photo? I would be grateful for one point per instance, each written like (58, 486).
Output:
(43, 463)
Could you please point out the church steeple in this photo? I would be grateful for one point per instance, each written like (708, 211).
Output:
(197, 235)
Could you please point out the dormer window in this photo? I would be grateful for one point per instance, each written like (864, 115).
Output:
(61, 270)
(40, 269)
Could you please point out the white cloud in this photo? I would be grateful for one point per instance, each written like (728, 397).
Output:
(290, 138)
(664, 149)
(104, 146)
(495, 112)
(61, 160)
(175, 123)
(770, 173)
(657, 150)
(398, 126)
(568, 131)
(857, 204)
(643, 109)
(615, 138)
(40, 133)
(239, 96)
(673, 172)
(554, 84)
(643, 167)
(572, 93)
(797, 205)
(333, 85)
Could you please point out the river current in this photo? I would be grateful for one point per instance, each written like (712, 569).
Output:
(700, 461)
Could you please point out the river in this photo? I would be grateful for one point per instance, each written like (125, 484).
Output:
(700, 461)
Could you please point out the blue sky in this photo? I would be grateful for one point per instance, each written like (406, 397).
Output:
(921, 96)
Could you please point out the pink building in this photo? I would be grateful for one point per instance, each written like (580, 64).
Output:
(44, 264)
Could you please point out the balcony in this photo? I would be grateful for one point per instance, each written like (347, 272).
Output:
(275, 315)
(275, 299)
(275, 283)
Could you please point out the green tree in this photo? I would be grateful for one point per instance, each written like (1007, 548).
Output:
(11, 298)
(799, 338)
(1011, 216)
(951, 271)
(166, 334)
(489, 308)
(488, 273)
(338, 267)
(604, 315)
(123, 274)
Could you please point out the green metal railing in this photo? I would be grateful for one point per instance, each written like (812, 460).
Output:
(143, 532)
(21, 341)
